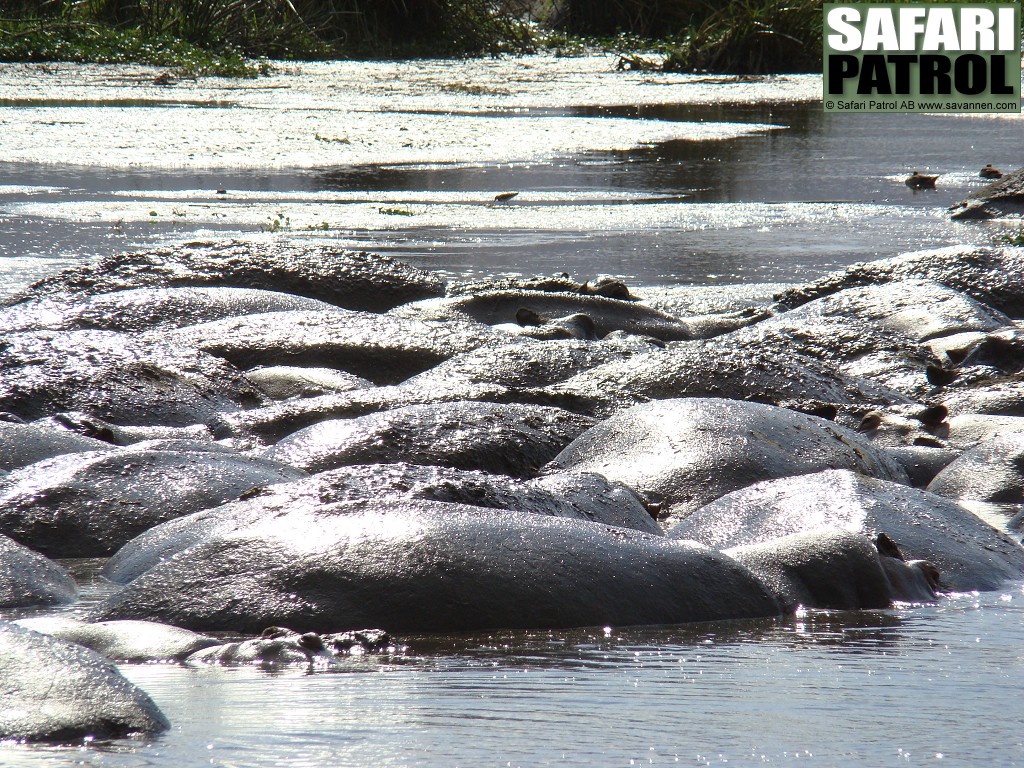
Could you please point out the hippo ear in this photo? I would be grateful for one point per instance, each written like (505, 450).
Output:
(526, 316)
(931, 573)
(887, 547)
(933, 415)
(872, 420)
(938, 376)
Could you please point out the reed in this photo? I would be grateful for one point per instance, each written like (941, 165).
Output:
(752, 37)
(287, 29)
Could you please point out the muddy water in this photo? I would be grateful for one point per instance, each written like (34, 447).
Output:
(814, 193)
(932, 685)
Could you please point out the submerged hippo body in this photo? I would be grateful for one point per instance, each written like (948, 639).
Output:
(381, 348)
(525, 363)
(714, 368)
(571, 495)
(117, 377)
(992, 471)
(89, 504)
(832, 569)
(1003, 199)
(878, 332)
(693, 450)
(144, 309)
(354, 280)
(126, 641)
(498, 307)
(507, 439)
(968, 552)
(61, 692)
(283, 382)
(24, 444)
(438, 568)
(28, 578)
(993, 276)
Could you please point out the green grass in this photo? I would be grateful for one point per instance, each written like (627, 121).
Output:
(753, 37)
(69, 40)
(224, 37)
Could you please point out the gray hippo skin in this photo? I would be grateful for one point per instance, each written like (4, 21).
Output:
(354, 280)
(61, 692)
(993, 276)
(506, 439)
(991, 471)
(144, 309)
(438, 568)
(24, 444)
(969, 553)
(693, 450)
(498, 307)
(565, 494)
(128, 641)
(525, 363)
(117, 377)
(878, 332)
(89, 504)
(29, 578)
(278, 646)
(1003, 199)
(282, 382)
(832, 569)
(381, 348)
(718, 367)
(580, 496)
(495, 372)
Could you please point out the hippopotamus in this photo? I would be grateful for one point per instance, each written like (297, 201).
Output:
(134, 642)
(28, 578)
(1003, 396)
(992, 471)
(114, 376)
(993, 276)
(686, 300)
(435, 567)
(922, 462)
(836, 570)
(878, 332)
(270, 423)
(508, 439)
(495, 372)
(526, 363)
(106, 433)
(23, 444)
(690, 451)
(713, 368)
(915, 309)
(144, 309)
(283, 382)
(354, 280)
(61, 692)
(1003, 199)
(381, 348)
(968, 553)
(579, 496)
(499, 307)
(89, 504)
(278, 646)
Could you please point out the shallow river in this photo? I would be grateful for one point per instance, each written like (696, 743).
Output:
(917, 684)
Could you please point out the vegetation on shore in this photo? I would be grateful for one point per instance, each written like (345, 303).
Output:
(231, 37)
